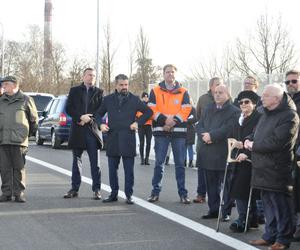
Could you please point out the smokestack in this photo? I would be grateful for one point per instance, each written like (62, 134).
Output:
(47, 41)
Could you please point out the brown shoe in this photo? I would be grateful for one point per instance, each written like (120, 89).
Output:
(259, 242)
(199, 199)
(278, 246)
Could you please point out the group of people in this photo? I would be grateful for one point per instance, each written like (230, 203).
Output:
(265, 130)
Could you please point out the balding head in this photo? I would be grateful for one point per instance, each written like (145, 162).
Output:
(221, 94)
(272, 96)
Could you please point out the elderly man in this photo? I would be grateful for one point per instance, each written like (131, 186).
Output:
(213, 128)
(18, 120)
(272, 155)
(203, 101)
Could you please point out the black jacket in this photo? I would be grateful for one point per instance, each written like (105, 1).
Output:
(219, 123)
(273, 144)
(121, 139)
(240, 185)
(296, 99)
(76, 107)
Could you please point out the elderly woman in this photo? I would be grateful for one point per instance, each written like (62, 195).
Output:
(240, 186)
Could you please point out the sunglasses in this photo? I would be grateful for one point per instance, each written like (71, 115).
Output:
(244, 102)
(291, 81)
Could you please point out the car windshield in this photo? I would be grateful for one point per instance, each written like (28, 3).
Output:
(41, 102)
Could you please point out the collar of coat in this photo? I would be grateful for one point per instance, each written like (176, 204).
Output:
(178, 89)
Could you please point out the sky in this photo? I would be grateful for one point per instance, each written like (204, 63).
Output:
(182, 32)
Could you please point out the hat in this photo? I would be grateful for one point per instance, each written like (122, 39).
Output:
(144, 94)
(249, 94)
(9, 79)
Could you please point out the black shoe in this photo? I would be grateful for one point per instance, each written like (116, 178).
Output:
(5, 198)
(71, 194)
(212, 215)
(142, 161)
(237, 226)
(97, 195)
(185, 200)
(129, 200)
(110, 199)
(153, 198)
(20, 198)
(191, 164)
(147, 161)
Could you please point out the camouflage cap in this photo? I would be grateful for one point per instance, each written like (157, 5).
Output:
(9, 79)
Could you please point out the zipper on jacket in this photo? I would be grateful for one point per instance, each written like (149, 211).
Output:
(163, 97)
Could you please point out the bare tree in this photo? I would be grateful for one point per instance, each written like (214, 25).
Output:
(77, 67)
(58, 63)
(268, 50)
(146, 72)
(107, 59)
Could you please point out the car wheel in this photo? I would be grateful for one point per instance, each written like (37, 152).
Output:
(38, 140)
(55, 142)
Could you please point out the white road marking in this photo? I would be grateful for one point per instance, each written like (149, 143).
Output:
(207, 231)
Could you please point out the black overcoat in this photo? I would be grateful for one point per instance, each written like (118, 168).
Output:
(241, 181)
(121, 139)
(273, 144)
(218, 123)
(296, 99)
(76, 107)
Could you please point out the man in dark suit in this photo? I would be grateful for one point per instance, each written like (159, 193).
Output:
(121, 108)
(213, 128)
(83, 101)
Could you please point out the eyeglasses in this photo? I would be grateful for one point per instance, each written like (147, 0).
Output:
(244, 102)
(291, 81)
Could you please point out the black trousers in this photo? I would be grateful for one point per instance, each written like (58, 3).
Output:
(145, 131)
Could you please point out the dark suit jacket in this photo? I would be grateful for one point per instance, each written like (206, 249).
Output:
(121, 139)
(76, 107)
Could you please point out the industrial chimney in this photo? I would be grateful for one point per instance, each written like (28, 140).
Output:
(47, 42)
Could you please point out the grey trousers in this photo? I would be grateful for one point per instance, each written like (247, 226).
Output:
(12, 169)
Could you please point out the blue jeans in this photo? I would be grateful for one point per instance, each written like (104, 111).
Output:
(91, 148)
(279, 221)
(190, 152)
(113, 164)
(178, 149)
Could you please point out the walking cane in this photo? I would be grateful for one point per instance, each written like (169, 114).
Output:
(231, 146)
(248, 210)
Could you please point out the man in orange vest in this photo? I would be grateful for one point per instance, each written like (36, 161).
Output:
(171, 107)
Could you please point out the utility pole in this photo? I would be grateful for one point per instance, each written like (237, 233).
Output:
(2, 50)
(47, 41)
(97, 59)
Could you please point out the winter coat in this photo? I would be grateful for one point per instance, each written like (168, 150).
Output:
(203, 101)
(273, 143)
(296, 99)
(218, 123)
(18, 119)
(76, 107)
(121, 139)
(241, 181)
(191, 132)
(164, 102)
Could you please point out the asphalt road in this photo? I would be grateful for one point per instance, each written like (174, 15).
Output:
(47, 221)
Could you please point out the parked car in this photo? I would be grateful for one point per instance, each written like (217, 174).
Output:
(41, 100)
(54, 124)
